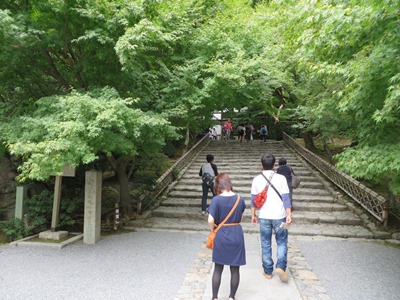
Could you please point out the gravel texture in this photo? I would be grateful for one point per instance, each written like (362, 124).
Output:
(351, 269)
(137, 265)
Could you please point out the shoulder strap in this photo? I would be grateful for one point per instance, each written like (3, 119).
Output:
(270, 183)
(227, 217)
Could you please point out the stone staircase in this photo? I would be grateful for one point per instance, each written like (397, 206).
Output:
(317, 209)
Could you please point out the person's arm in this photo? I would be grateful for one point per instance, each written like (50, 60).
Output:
(214, 166)
(288, 207)
(288, 215)
(211, 221)
(253, 211)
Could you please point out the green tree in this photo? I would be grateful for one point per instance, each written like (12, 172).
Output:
(344, 57)
(79, 128)
(51, 47)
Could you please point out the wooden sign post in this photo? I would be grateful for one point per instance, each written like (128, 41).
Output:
(68, 172)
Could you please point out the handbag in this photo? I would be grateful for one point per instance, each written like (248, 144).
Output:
(207, 179)
(295, 180)
(211, 236)
(261, 197)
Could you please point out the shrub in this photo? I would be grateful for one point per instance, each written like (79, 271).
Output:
(40, 208)
(14, 229)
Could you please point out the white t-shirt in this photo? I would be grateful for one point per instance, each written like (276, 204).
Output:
(273, 208)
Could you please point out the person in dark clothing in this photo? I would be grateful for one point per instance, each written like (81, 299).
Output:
(211, 169)
(263, 133)
(229, 247)
(287, 171)
(249, 132)
(241, 131)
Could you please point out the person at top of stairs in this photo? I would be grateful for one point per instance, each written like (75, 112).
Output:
(263, 133)
(208, 171)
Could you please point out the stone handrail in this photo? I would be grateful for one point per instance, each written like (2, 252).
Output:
(170, 175)
(374, 203)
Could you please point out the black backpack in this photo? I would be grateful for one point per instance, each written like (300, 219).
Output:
(207, 179)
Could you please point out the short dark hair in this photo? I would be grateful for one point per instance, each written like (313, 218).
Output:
(210, 157)
(268, 161)
(222, 183)
(282, 161)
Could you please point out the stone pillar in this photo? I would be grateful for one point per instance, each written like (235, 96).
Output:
(19, 203)
(92, 218)
(56, 204)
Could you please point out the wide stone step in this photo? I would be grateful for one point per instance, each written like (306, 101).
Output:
(186, 190)
(244, 179)
(300, 217)
(196, 194)
(238, 169)
(295, 229)
(317, 207)
(187, 183)
(246, 176)
(312, 198)
(251, 162)
(180, 203)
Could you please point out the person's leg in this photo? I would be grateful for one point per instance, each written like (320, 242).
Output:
(204, 197)
(281, 236)
(235, 279)
(216, 279)
(266, 251)
(211, 187)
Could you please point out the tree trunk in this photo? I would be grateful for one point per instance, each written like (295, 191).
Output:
(120, 168)
(187, 139)
(124, 194)
(328, 151)
(309, 142)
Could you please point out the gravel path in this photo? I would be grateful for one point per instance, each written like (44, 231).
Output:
(137, 265)
(351, 269)
(154, 265)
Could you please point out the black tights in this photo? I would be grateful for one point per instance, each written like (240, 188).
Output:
(216, 280)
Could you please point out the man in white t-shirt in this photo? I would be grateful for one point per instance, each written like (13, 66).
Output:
(275, 213)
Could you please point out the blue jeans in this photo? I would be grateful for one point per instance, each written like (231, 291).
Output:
(205, 195)
(281, 236)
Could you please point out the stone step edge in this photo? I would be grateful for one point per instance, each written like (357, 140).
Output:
(362, 234)
(354, 220)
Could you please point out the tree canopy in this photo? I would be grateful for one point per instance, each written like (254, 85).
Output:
(82, 80)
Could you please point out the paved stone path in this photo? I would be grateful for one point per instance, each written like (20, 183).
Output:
(303, 283)
(341, 279)
(175, 265)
